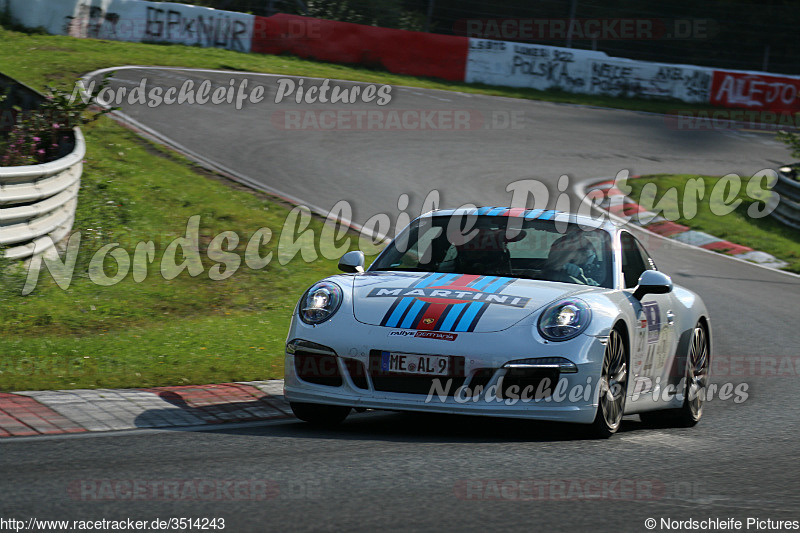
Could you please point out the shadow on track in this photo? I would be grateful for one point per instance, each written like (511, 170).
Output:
(429, 428)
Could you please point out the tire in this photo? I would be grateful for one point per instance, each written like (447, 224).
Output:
(320, 415)
(696, 379)
(613, 386)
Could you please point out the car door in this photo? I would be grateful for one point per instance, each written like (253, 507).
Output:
(654, 336)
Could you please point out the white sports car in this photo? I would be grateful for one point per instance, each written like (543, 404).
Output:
(502, 312)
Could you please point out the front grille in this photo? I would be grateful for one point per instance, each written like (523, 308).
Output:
(539, 381)
(410, 384)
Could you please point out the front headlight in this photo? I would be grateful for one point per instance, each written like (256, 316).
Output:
(564, 320)
(320, 302)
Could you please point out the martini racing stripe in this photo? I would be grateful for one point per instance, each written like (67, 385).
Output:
(454, 312)
(415, 313)
(475, 311)
(515, 212)
(403, 311)
(528, 214)
(533, 213)
(398, 309)
(431, 316)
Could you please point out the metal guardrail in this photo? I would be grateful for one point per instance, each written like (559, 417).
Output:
(37, 202)
(787, 211)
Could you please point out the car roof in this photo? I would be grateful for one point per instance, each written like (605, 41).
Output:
(527, 214)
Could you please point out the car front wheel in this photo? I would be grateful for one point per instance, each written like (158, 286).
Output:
(613, 387)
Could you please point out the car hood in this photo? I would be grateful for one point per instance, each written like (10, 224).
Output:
(451, 302)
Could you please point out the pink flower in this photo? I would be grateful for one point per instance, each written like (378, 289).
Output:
(37, 139)
(40, 152)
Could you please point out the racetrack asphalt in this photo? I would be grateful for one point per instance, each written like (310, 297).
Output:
(395, 471)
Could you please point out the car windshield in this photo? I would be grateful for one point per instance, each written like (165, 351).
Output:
(502, 246)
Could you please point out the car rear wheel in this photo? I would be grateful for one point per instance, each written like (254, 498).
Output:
(320, 415)
(697, 363)
(613, 387)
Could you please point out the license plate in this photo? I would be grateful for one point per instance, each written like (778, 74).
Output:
(414, 364)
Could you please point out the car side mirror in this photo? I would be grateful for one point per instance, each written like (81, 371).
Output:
(652, 282)
(352, 262)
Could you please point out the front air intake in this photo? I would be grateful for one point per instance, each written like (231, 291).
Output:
(315, 363)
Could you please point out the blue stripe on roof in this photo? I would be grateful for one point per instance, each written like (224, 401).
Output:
(533, 213)
(547, 215)
(484, 210)
(497, 211)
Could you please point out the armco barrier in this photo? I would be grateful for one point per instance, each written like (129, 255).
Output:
(37, 202)
(788, 209)
(399, 51)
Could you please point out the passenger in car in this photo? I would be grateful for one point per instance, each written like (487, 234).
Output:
(570, 258)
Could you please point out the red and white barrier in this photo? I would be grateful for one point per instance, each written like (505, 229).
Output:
(399, 51)
(755, 90)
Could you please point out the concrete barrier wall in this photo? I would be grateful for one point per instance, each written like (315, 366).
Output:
(582, 71)
(137, 21)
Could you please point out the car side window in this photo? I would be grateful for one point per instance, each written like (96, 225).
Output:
(633, 262)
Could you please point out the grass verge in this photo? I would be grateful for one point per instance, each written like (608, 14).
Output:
(155, 332)
(722, 211)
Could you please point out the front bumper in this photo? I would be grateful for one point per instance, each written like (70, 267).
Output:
(572, 398)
